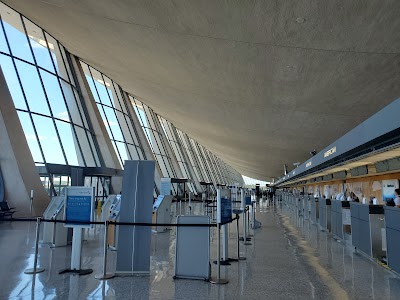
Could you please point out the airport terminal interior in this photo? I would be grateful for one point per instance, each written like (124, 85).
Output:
(199, 149)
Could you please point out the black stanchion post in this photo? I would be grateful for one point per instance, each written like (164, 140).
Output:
(35, 269)
(219, 280)
(237, 239)
(105, 275)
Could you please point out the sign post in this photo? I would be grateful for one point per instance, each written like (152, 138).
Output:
(78, 207)
(224, 214)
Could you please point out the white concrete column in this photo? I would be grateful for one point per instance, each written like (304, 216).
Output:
(16, 161)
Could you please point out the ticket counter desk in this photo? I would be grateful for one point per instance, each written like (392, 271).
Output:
(325, 214)
(367, 222)
(392, 224)
(341, 219)
(314, 210)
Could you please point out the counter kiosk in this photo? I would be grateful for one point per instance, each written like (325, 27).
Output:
(341, 219)
(314, 210)
(325, 214)
(367, 222)
(392, 224)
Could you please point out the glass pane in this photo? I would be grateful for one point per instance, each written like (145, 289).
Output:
(12, 81)
(135, 153)
(101, 87)
(69, 71)
(113, 123)
(85, 146)
(33, 88)
(15, 33)
(92, 86)
(90, 160)
(39, 46)
(3, 42)
(79, 101)
(123, 151)
(103, 117)
(54, 95)
(48, 139)
(30, 136)
(57, 57)
(71, 103)
(69, 142)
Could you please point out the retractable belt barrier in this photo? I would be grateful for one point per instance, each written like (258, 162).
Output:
(117, 223)
(104, 274)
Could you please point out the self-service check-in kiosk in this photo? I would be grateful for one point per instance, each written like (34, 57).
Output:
(113, 203)
(162, 212)
(55, 233)
(105, 208)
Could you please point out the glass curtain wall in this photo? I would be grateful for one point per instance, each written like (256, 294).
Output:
(55, 121)
(42, 85)
(113, 107)
(193, 159)
(153, 132)
(171, 134)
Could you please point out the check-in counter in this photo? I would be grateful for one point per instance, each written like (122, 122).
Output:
(314, 210)
(367, 222)
(341, 219)
(392, 224)
(325, 214)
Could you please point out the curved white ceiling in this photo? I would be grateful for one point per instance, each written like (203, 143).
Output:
(259, 83)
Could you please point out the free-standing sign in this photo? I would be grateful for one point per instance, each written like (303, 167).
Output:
(79, 205)
(224, 206)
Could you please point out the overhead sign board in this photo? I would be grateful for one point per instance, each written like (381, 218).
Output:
(79, 206)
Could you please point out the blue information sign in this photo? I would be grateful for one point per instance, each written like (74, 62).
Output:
(226, 210)
(78, 206)
(248, 200)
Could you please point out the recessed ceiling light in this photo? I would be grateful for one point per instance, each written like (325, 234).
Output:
(300, 20)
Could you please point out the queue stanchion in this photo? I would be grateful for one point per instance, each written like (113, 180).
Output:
(35, 269)
(237, 239)
(218, 280)
(105, 275)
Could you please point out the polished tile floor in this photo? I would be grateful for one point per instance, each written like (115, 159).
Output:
(289, 258)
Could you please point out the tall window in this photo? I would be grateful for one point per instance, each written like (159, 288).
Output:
(193, 159)
(113, 107)
(171, 134)
(41, 82)
(153, 132)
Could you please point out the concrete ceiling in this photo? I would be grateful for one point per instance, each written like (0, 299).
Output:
(259, 83)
